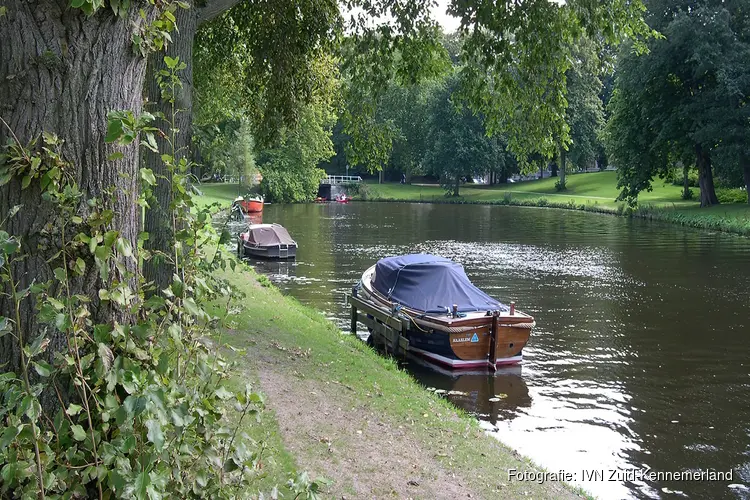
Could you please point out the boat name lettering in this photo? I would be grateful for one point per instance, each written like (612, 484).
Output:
(471, 338)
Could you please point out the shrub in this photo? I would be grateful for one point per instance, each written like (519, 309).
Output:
(728, 195)
(688, 195)
(560, 185)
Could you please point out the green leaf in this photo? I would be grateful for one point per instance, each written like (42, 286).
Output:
(191, 307)
(73, 409)
(114, 127)
(60, 274)
(148, 176)
(56, 303)
(117, 155)
(142, 484)
(155, 434)
(78, 433)
(223, 394)
(7, 437)
(124, 248)
(171, 62)
(80, 266)
(42, 368)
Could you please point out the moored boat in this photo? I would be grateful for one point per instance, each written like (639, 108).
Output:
(426, 305)
(270, 241)
(250, 205)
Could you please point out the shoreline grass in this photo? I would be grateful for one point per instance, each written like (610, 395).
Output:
(270, 326)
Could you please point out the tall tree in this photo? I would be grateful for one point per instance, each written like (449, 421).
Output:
(459, 144)
(678, 102)
(62, 70)
(584, 113)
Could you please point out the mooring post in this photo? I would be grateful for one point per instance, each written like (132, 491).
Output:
(493, 341)
(354, 311)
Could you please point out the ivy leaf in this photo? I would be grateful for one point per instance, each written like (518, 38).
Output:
(7, 437)
(114, 125)
(192, 307)
(78, 433)
(117, 155)
(155, 434)
(74, 409)
(171, 62)
(222, 393)
(124, 248)
(42, 368)
(142, 484)
(80, 266)
(148, 176)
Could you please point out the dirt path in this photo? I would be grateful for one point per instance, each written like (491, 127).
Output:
(366, 456)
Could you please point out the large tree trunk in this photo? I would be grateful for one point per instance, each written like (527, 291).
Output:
(158, 219)
(685, 183)
(705, 177)
(562, 167)
(745, 164)
(62, 72)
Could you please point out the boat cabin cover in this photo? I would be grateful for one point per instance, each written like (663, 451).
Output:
(431, 284)
(267, 235)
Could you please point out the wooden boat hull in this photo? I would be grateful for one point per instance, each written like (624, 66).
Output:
(456, 343)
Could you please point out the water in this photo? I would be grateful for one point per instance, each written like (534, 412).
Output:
(641, 355)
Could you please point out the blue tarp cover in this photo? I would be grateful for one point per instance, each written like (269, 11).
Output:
(431, 284)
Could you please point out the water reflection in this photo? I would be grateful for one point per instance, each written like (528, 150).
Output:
(638, 359)
(490, 397)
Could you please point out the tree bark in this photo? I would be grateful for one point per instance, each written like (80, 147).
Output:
(705, 177)
(62, 72)
(158, 218)
(685, 183)
(562, 167)
(458, 184)
(745, 164)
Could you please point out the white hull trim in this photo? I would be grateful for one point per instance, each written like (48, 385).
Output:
(462, 363)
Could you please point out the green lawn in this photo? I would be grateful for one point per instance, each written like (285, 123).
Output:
(595, 188)
(594, 192)
(217, 193)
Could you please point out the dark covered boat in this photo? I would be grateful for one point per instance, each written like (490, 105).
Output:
(426, 305)
(270, 241)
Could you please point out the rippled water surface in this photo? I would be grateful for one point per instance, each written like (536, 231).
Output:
(641, 355)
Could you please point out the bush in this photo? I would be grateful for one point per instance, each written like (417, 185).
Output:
(687, 195)
(560, 185)
(359, 189)
(727, 195)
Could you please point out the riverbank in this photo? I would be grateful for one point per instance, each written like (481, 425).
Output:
(593, 192)
(338, 410)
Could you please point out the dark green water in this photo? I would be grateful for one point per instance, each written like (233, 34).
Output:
(641, 355)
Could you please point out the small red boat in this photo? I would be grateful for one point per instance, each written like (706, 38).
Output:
(252, 205)
(342, 198)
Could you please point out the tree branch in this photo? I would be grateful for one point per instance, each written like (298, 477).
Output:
(213, 8)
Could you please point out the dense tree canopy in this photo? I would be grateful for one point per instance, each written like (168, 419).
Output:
(686, 100)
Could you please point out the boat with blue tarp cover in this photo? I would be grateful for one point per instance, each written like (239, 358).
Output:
(435, 311)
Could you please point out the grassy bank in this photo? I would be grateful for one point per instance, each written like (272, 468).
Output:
(594, 192)
(340, 410)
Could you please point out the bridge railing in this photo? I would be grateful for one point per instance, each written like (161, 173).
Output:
(340, 179)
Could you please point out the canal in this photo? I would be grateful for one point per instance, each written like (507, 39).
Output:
(641, 354)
